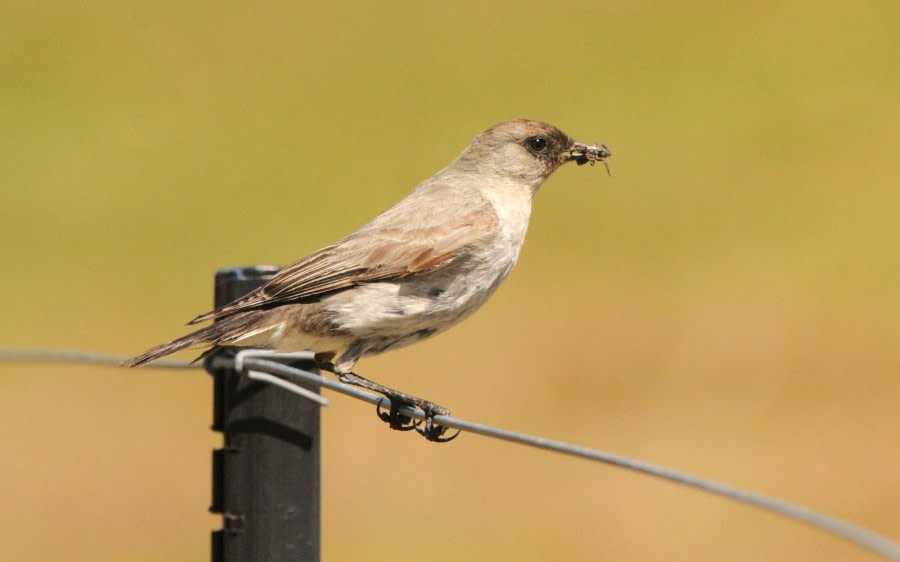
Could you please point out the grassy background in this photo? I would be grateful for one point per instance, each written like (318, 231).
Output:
(727, 303)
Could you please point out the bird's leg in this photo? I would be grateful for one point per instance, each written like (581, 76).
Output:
(396, 420)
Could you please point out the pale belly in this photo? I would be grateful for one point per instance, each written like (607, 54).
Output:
(376, 317)
(415, 307)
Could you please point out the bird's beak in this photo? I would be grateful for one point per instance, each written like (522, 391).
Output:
(584, 153)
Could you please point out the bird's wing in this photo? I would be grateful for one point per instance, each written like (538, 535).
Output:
(373, 253)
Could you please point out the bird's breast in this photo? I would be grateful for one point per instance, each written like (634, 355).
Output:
(429, 302)
(426, 303)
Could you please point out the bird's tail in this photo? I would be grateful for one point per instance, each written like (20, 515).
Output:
(200, 337)
(223, 331)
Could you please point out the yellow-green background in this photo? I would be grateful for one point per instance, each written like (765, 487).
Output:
(726, 303)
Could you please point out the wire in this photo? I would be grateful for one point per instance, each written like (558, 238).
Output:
(290, 387)
(264, 362)
(70, 356)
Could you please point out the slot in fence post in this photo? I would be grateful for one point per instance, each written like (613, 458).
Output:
(266, 477)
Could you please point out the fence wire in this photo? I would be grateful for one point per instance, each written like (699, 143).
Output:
(268, 363)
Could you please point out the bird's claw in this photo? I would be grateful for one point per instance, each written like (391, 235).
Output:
(426, 428)
(432, 431)
(393, 417)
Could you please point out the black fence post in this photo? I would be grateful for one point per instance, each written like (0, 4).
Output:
(266, 478)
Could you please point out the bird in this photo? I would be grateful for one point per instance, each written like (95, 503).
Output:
(413, 271)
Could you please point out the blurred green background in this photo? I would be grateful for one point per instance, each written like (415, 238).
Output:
(727, 303)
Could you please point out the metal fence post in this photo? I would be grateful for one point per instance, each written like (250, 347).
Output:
(266, 477)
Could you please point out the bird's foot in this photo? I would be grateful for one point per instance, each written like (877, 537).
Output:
(393, 417)
(427, 427)
(433, 431)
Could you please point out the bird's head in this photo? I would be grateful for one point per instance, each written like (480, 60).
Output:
(526, 151)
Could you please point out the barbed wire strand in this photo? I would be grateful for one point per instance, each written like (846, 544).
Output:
(858, 535)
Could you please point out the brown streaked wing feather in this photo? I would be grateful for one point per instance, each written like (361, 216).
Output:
(365, 256)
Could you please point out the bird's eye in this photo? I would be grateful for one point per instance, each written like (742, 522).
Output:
(536, 144)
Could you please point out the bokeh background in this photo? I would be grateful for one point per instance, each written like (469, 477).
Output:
(726, 303)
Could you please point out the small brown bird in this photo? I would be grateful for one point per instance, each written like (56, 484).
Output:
(415, 270)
